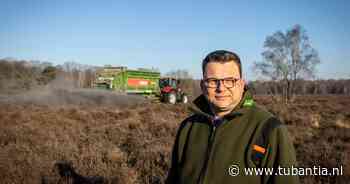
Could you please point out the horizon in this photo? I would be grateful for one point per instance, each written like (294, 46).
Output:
(170, 36)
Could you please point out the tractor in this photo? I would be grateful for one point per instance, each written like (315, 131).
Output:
(143, 82)
(170, 92)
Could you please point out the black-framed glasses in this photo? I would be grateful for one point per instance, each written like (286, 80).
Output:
(214, 82)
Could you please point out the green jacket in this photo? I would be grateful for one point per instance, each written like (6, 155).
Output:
(206, 149)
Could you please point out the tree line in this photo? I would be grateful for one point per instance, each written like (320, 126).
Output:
(302, 87)
(25, 75)
(21, 75)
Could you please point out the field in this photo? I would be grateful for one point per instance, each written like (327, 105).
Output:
(127, 140)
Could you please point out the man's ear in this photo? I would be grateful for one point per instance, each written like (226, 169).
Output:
(203, 88)
(242, 84)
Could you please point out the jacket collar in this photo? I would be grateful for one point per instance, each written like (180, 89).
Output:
(201, 106)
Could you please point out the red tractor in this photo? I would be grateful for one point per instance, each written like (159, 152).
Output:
(170, 92)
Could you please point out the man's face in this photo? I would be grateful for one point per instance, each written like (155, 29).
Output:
(223, 99)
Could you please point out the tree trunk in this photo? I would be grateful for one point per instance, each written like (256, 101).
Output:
(285, 91)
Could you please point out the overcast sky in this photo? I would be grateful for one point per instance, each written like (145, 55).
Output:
(169, 35)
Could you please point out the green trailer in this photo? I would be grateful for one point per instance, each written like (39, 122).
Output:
(121, 79)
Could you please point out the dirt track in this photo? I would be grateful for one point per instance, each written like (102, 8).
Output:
(132, 143)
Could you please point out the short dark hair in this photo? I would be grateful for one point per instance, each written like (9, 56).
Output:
(222, 56)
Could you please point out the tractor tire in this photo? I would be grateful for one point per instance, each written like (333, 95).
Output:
(171, 98)
(184, 99)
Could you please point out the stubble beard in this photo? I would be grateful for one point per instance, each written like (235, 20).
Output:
(220, 109)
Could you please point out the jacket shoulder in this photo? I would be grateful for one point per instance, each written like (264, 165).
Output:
(187, 123)
(195, 118)
(189, 120)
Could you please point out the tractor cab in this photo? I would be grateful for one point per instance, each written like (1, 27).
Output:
(170, 91)
(168, 84)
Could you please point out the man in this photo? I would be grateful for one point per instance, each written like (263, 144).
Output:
(229, 133)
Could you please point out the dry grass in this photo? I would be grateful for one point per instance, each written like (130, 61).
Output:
(132, 143)
(129, 145)
(318, 127)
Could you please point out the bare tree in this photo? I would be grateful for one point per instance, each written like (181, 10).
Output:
(186, 81)
(179, 74)
(287, 57)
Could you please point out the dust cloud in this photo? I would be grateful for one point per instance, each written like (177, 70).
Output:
(62, 92)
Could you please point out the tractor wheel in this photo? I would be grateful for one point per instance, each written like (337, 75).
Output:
(184, 99)
(171, 98)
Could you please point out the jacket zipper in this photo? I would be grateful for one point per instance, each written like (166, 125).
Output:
(205, 166)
